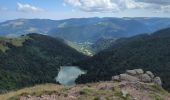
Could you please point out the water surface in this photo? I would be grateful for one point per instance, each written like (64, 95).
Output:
(68, 74)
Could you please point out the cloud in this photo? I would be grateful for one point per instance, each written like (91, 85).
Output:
(102, 5)
(157, 5)
(159, 2)
(119, 5)
(3, 9)
(28, 8)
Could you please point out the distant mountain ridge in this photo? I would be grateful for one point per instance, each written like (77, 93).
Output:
(84, 29)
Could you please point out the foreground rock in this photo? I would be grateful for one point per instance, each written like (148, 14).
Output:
(138, 75)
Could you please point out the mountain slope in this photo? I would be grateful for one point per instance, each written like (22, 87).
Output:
(13, 28)
(97, 28)
(84, 29)
(36, 60)
(149, 52)
(102, 44)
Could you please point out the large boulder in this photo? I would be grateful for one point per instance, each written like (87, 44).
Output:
(150, 74)
(145, 78)
(157, 80)
(139, 71)
(116, 78)
(131, 72)
(127, 77)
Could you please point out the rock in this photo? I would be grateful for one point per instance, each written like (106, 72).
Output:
(139, 71)
(127, 77)
(157, 80)
(116, 78)
(72, 97)
(138, 75)
(124, 93)
(145, 78)
(29, 96)
(102, 98)
(150, 74)
(131, 72)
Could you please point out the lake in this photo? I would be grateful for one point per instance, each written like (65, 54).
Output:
(68, 74)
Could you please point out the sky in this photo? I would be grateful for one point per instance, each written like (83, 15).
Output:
(64, 9)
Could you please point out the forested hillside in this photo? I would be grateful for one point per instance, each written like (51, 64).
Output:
(102, 44)
(149, 52)
(32, 59)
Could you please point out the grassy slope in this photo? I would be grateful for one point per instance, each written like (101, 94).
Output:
(18, 42)
(39, 89)
(93, 91)
(81, 47)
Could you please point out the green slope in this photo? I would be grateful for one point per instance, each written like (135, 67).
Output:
(149, 52)
(33, 59)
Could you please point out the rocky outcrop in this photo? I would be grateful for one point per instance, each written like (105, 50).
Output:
(138, 75)
(145, 78)
(128, 77)
(157, 80)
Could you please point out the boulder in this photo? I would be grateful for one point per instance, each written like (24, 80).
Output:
(138, 75)
(157, 80)
(127, 77)
(139, 71)
(145, 78)
(131, 72)
(116, 78)
(150, 74)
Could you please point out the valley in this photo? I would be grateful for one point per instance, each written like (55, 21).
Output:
(149, 52)
(31, 59)
(84, 49)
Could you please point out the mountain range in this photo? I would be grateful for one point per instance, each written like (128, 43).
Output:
(84, 29)
(119, 44)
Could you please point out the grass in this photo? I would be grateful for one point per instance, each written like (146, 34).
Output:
(3, 48)
(81, 47)
(121, 97)
(90, 91)
(14, 41)
(36, 90)
(156, 88)
(156, 96)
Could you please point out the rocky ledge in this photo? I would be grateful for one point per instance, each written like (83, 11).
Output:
(138, 75)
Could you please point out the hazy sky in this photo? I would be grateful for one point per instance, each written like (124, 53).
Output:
(62, 9)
